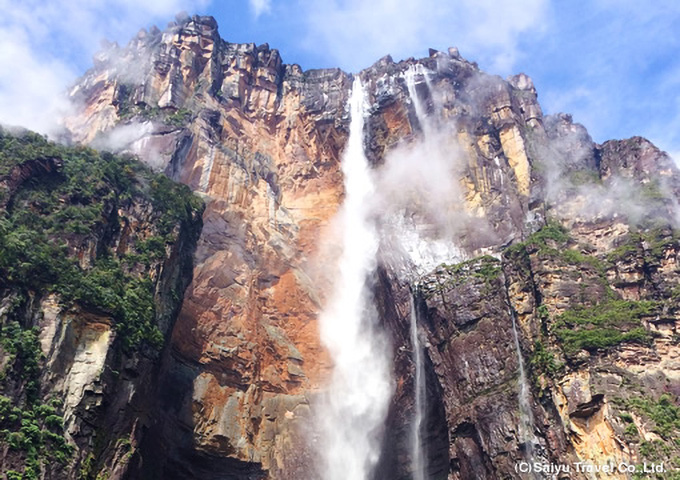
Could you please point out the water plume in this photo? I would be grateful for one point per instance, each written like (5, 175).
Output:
(420, 199)
(360, 388)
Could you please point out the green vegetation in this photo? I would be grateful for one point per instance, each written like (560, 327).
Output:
(486, 268)
(626, 417)
(169, 115)
(17, 149)
(631, 431)
(47, 219)
(654, 450)
(176, 202)
(24, 349)
(658, 451)
(575, 257)
(178, 118)
(624, 251)
(129, 299)
(87, 467)
(36, 431)
(123, 100)
(602, 326)
(662, 416)
(49, 214)
(588, 327)
(543, 361)
(544, 240)
(552, 240)
(663, 412)
(656, 240)
(551, 232)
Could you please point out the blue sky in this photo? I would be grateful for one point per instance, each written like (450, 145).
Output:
(613, 64)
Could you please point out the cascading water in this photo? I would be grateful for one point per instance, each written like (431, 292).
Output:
(526, 420)
(421, 227)
(410, 76)
(360, 389)
(418, 458)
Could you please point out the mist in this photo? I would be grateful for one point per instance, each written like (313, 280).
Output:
(579, 188)
(420, 200)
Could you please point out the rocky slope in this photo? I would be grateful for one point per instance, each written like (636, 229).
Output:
(592, 292)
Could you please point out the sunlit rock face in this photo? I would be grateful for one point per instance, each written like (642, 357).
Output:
(262, 142)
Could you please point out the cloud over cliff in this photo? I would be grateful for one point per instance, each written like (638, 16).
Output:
(46, 45)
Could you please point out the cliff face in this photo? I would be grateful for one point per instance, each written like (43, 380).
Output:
(260, 141)
(591, 293)
(95, 255)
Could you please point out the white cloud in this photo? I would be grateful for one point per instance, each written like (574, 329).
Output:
(31, 88)
(625, 54)
(45, 45)
(355, 33)
(260, 6)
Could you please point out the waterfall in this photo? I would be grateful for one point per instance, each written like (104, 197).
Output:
(421, 112)
(360, 388)
(418, 459)
(526, 416)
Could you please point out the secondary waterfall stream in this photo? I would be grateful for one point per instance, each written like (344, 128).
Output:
(526, 417)
(418, 458)
(360, 388)
(420, 109)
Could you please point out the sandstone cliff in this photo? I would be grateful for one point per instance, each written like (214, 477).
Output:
(588, 279)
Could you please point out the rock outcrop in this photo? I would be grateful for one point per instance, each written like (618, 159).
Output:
(261, 142)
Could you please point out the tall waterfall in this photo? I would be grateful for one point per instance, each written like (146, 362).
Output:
(360, 389)
(418, 458)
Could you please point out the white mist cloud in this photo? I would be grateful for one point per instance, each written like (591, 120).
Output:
(46, 45)
(123, 137)
(31, 88)
(260, 6)
(355, 33)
